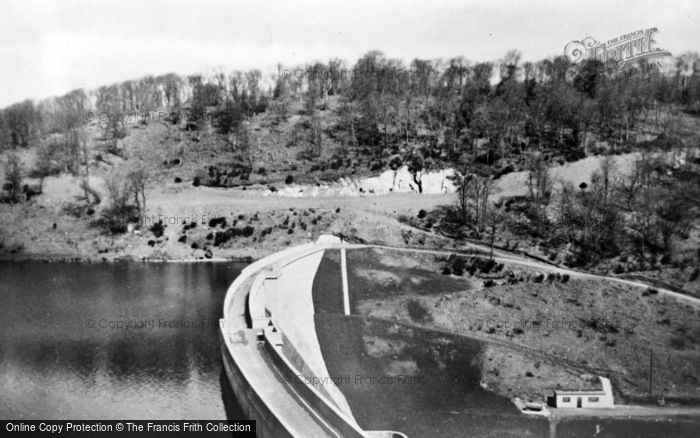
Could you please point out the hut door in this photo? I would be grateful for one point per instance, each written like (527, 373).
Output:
(579, 403)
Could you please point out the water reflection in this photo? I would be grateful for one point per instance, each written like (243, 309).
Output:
(110, 341)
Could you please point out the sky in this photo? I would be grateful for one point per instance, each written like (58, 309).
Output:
(48, 48)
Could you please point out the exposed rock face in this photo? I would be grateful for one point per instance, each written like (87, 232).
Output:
(401, 180)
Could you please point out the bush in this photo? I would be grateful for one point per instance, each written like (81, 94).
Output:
(289, 179)
(421, 214)
(458, 265)
(618, 269)
(157, 229)
(178, 179)
(650, 291)
(416, 311)
(487, 265)
(217, 221)
(182, 239)
(489, 283)
(222, 237)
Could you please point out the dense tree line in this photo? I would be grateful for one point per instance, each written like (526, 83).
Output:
(482, 119)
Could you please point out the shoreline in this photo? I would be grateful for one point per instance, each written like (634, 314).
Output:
(67, 258)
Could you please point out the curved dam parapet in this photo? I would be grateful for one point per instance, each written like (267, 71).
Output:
(271, 352)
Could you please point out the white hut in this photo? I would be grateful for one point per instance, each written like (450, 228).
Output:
(586, 398)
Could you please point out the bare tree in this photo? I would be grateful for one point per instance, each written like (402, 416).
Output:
(493, 220)
(138, 179)
(45, 164)
(539, 184)
(462, 180)
(482, 189)
(416, 165)
(13, 176)
(118, 190)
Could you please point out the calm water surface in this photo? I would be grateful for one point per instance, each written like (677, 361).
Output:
(112, 341)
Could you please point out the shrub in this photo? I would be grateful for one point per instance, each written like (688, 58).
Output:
(416, 311)
(182, 239)
(489, 283)
(650, 291)
(458, 265)
(178, 179)
(157, 229)
(289, 179)
(217, 221)
(618, 269)
(486, 265)
(421, 214)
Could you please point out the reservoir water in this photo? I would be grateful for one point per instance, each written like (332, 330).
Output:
(112, 341)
